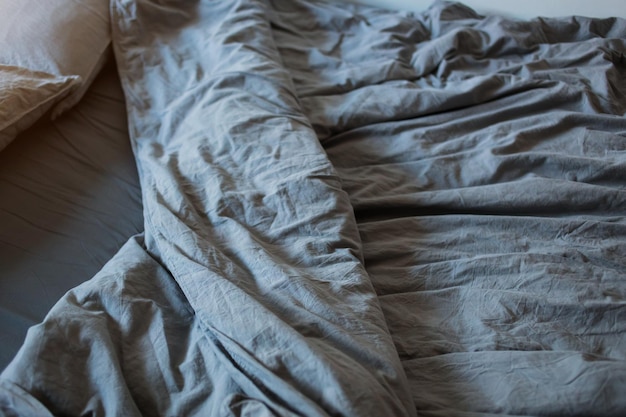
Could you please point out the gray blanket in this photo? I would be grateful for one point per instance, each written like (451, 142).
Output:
(352, 211)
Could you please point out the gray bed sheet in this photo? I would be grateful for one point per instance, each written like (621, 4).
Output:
(354, 211)
(69, 199)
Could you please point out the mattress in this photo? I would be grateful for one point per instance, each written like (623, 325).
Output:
(350, 211)
(69, 199)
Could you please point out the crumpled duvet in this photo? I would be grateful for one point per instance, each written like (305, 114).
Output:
(353, 211)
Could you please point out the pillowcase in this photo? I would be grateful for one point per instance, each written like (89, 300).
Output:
(26, 95)
(64, 38)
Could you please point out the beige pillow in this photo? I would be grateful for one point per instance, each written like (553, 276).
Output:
(26, 95)
(60, 37)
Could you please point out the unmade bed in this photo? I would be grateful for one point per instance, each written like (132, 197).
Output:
(271, 207)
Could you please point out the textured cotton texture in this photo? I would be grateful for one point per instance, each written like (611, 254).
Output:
(61, 37)
(353, 211)
(25, 96)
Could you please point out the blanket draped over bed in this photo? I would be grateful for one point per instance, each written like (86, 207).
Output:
(353, 211)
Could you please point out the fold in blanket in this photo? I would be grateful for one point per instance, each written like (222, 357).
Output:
(337, 198)
(245, 210)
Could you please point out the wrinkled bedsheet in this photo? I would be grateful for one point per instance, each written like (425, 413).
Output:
(353, 211)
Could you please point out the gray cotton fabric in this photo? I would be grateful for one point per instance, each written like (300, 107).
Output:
(353, 211)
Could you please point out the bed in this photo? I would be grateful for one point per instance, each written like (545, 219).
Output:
(271, 207)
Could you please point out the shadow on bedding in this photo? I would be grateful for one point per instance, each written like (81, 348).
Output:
(69, 198)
